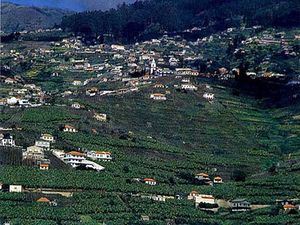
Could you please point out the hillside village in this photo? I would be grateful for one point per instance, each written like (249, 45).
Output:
(87, 112)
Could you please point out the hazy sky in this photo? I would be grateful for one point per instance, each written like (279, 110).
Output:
(76, 5)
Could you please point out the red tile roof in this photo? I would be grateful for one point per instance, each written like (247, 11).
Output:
(43, 199)
(75, 153)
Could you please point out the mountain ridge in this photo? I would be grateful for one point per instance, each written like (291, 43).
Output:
(15, 17)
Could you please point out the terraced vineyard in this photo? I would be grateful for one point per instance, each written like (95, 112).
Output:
(169, 141)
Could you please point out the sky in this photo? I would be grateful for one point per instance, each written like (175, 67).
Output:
(75, 5)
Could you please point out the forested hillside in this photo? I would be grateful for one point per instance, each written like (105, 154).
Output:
(145, 18)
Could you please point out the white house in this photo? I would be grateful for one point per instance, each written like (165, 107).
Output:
(218, 180)
(100, 117)
(189, 87)
(240, 205)
(15, 188)
(186, 72)
(118, 47)
(208, 199)
(202, 176)
(76, 105)
(206, 202)
(209, 96)
(7, 140)
(44, 166)
(34, 152)
(91, 92)
(74, 158)
(47, 137)
(69, 128)
(100, 155)
(150, 181)
(43, 144)
(158, 96)
(77, 83)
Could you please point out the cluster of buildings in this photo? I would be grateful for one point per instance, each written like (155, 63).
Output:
(203, 178)
(35, 154)
(20, 94)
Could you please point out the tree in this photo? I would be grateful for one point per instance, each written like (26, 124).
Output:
(238, 175)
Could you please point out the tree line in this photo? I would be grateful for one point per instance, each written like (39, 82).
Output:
(145, 19)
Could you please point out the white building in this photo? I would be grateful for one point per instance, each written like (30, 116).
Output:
(100, 117)
(118, 47)
(205, 199)
(68, 128)
(218, 180)
(77, 83)
(15, 188)
(209, 96)
(150, 181)
(158, 96)
(189, 87)
(74, 158)
(7, 140)
(76, 105)
(153, 67)
(34, 153)
(43, 144)
(47, 137)
(100, 155)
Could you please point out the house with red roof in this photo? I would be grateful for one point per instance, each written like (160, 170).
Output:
(69, 128)
(218, 180)
(150, 181)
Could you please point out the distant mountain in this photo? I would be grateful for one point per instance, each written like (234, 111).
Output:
(75, 5)
(17, 18)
